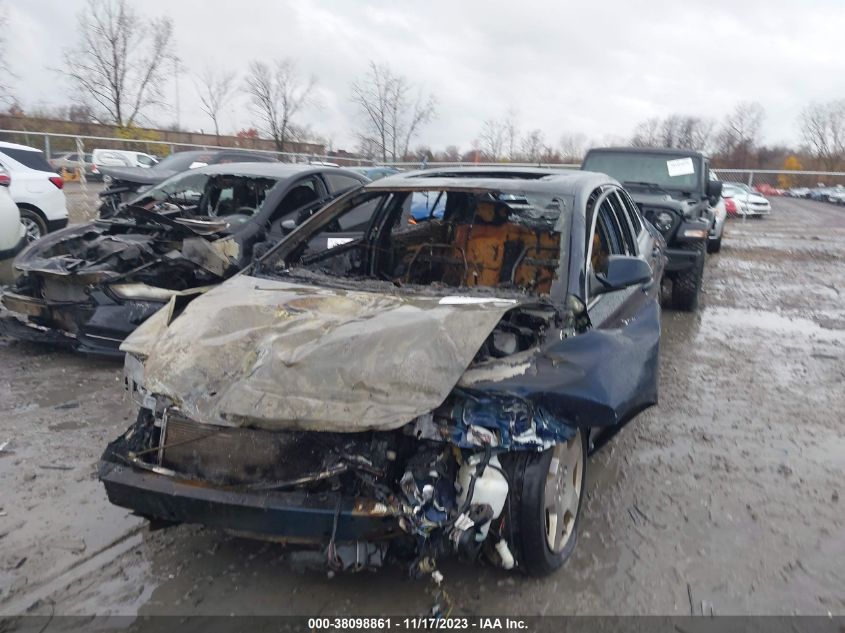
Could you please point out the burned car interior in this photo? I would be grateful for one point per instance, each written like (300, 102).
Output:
(391, 385)
(201, 195)
(480, 241)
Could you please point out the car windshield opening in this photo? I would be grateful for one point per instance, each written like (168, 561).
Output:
(207, 195)
(441, 239)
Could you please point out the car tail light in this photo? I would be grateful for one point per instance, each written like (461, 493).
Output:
(5, 179)
(730, 206)
(57, 180)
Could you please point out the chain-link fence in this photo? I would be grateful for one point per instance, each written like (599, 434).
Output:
(778, 182)
(55, 144)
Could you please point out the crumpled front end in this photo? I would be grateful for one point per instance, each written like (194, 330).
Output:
(90, 286)
(416, 474)
(421, 472)
(435, 487)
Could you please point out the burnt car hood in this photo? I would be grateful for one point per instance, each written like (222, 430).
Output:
(139, 175)
(91, 251)
(276, 355)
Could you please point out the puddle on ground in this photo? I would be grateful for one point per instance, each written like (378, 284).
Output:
(718, 320)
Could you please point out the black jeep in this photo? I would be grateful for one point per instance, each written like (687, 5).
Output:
(673, 189)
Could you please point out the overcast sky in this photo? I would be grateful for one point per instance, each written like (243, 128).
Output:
(595, 68)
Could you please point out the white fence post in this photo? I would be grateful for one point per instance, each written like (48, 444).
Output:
(83, 180)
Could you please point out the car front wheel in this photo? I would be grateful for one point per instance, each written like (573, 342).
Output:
(35, 226)
(550, 489)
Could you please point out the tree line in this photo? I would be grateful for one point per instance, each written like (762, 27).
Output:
(119, 68)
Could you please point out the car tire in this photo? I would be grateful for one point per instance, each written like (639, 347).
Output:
(714, 246)
(686, 285)
(35, 226)
(547, 519)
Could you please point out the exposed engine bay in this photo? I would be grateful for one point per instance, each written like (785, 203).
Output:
(427, 497)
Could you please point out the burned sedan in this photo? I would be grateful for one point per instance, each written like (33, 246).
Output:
(90, 285)
(423, 387)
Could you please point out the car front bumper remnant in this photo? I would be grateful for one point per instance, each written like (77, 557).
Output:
(295, 517)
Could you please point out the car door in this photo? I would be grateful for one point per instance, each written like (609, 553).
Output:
(626, 322)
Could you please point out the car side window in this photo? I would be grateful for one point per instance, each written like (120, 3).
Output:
(145, 160)
(338, 183)
(622, 224)
(305, 192)
(633, 212)
(606, 238)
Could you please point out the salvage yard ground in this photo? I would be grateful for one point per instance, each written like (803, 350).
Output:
(725, 497)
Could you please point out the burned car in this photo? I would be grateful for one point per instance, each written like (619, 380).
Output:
(420, 388)
(125, 183)
(90, 285)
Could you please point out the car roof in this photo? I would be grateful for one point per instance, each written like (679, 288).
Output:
(4, 144)
(269, 169)
(489, 171)
(669, 151)
(230, 150)
(562, 182)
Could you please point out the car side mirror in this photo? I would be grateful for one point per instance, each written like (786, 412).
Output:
(288, 226)
(623, 271)
(714, 189)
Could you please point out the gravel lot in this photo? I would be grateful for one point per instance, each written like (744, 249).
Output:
(726, 497)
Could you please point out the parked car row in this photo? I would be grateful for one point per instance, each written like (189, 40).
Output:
(834, 195)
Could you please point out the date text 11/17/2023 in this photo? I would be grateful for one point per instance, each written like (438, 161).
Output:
(417, 624)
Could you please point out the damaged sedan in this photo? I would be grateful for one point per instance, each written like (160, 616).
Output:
(90, 285)
(388, 386)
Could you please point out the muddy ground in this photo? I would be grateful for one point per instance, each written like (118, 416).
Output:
(725, 497)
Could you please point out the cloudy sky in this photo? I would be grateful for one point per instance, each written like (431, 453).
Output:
(593, 68)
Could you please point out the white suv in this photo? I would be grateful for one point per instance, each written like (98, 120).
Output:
(36, 188)
(12, 232)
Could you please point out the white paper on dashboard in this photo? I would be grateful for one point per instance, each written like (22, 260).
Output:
(680, 167)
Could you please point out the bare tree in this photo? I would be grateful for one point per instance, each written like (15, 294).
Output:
(823, 129)
(740, 133)
(572, 147)
(647, 133)
(533, 146)
(676, 130)
(687, 132)
(391, 118)
(451, 154)
(118, 65)
(492, 138)
(278, 93)
(215, 90)
(5, 72)
(511, 133)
